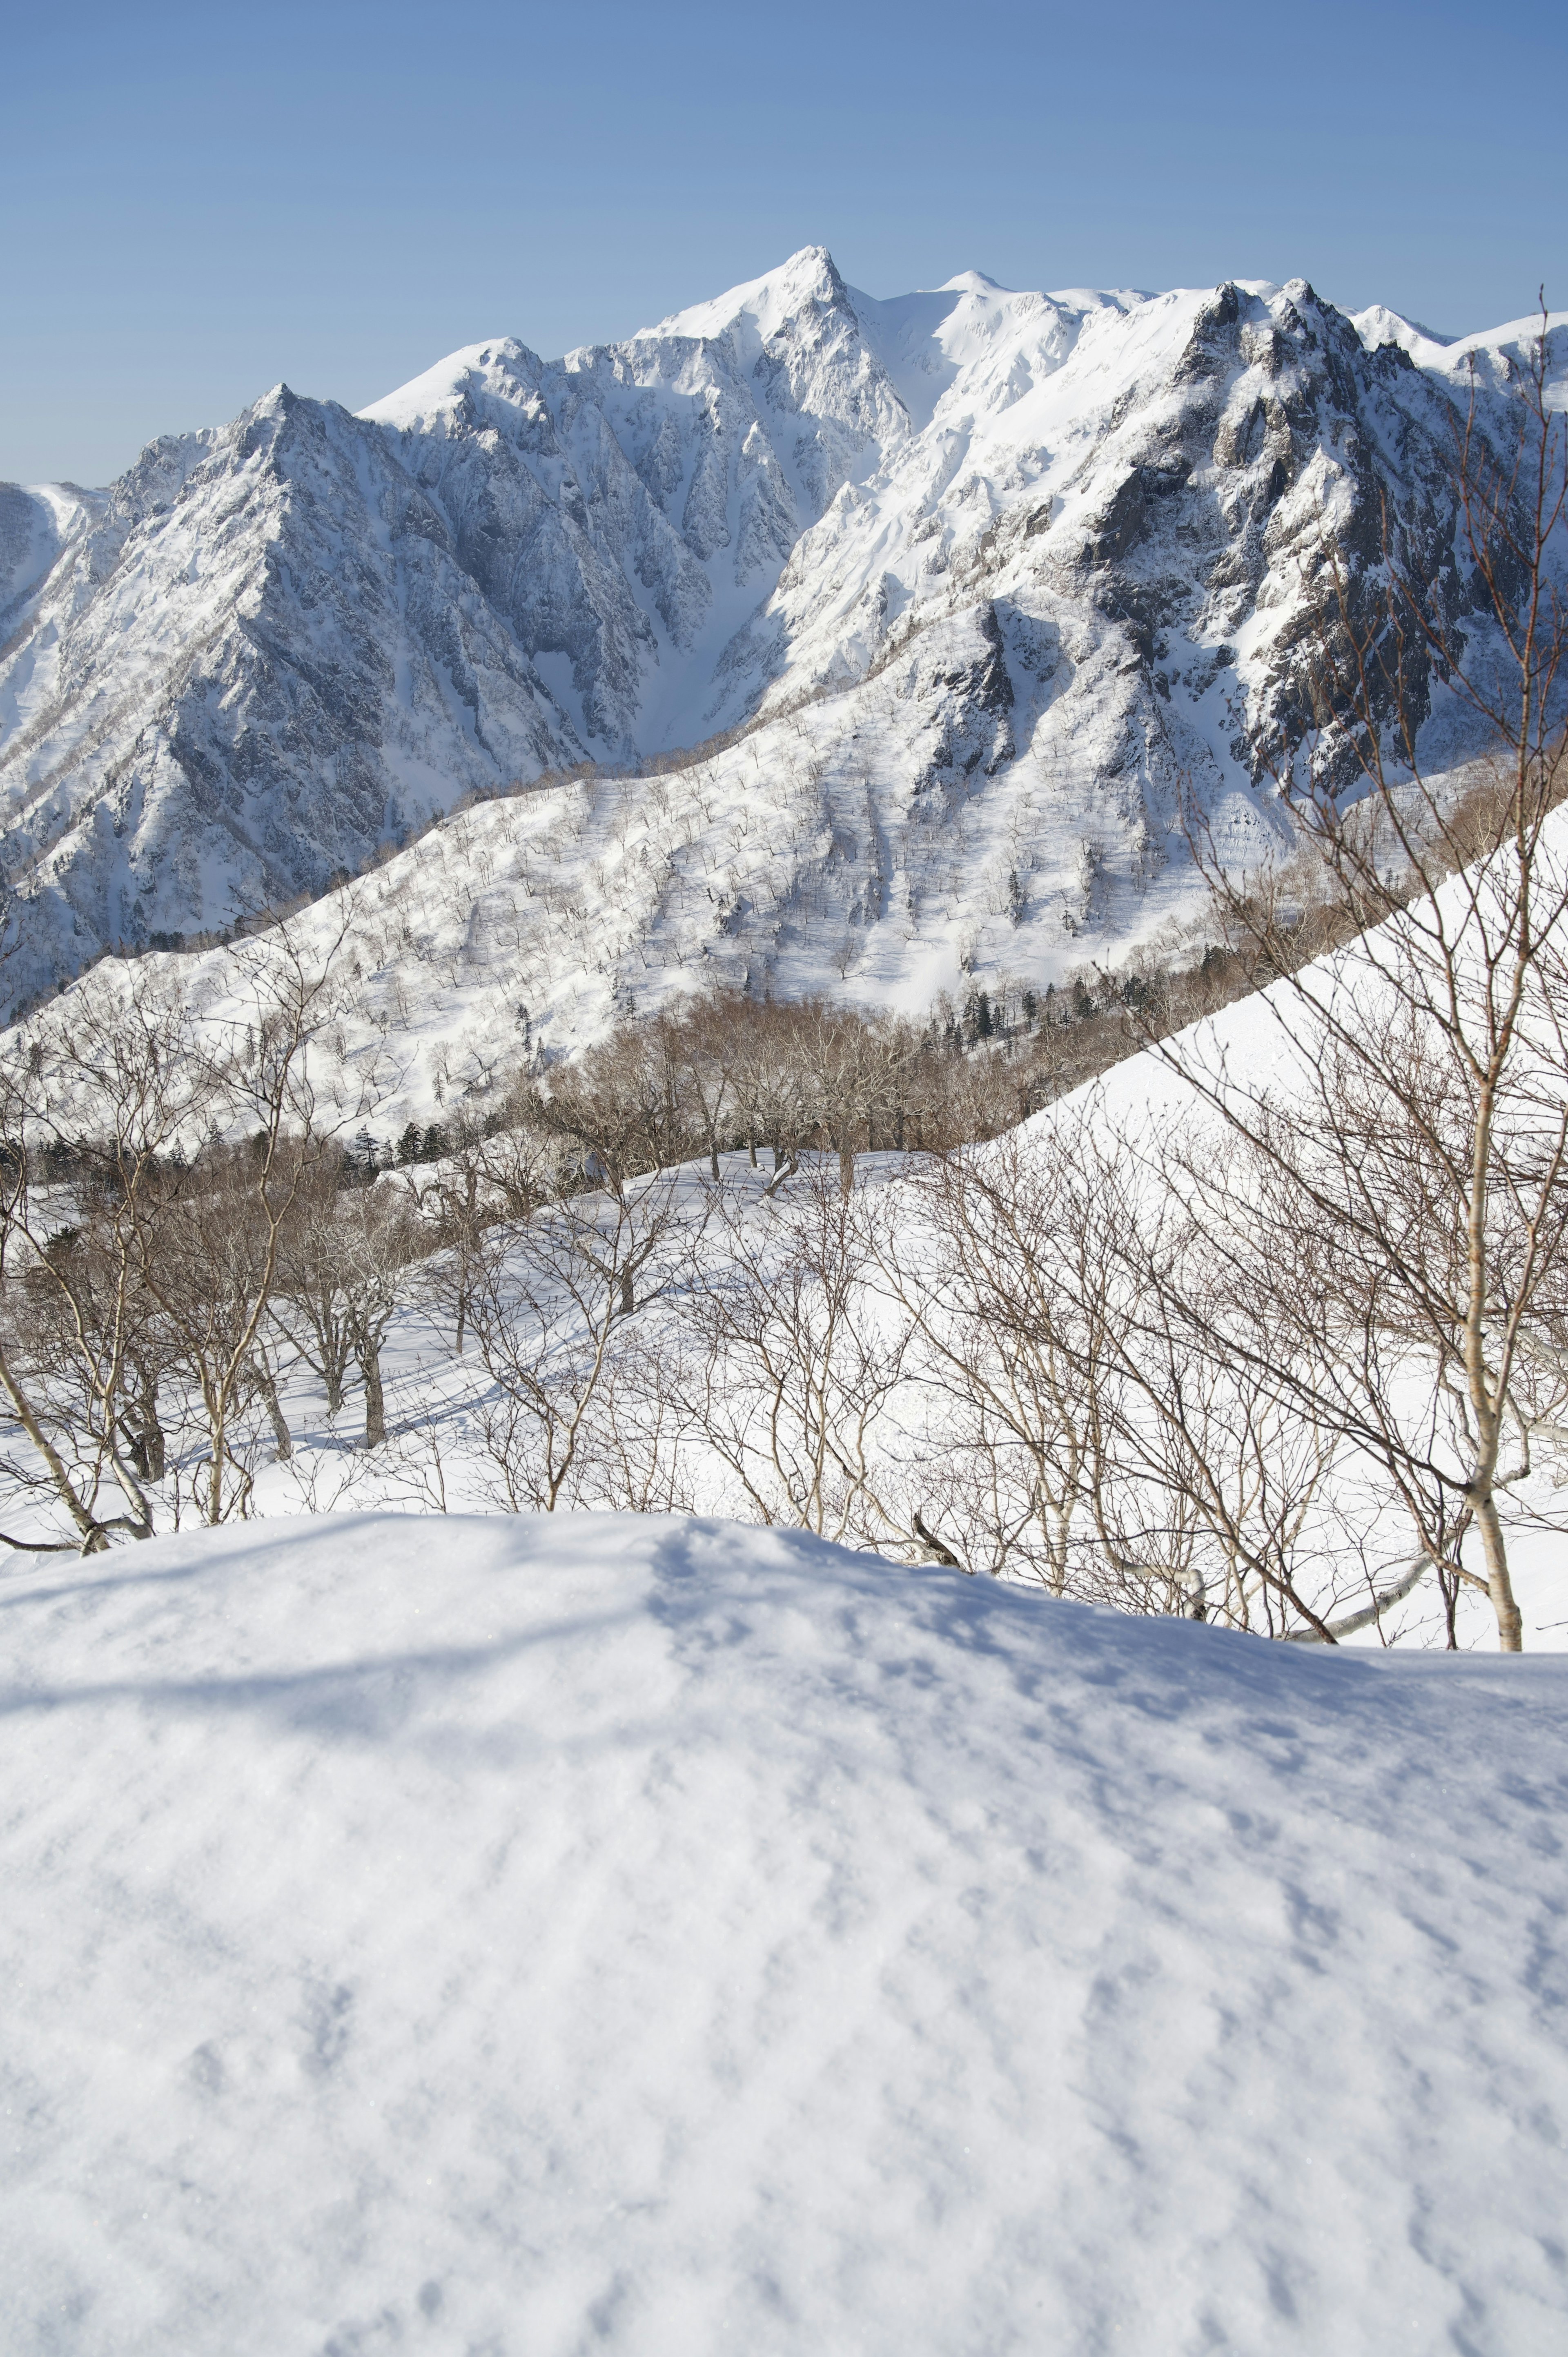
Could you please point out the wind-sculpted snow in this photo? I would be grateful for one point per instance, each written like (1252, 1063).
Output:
(524, 1935)
(1032, 563)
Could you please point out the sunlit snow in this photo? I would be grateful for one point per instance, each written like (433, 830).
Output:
(530, 1935)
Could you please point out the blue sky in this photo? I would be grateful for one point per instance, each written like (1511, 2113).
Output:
(198, 201)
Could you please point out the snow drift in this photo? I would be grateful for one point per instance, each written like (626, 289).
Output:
(652, 1935)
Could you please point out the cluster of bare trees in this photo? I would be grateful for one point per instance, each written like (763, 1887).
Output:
(728, 1072)
(186, 1221)
(1076, 1342)
(1210, 1362)
(169, 1219)
(1032, 1361)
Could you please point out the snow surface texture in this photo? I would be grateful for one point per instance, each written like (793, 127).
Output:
(995, 571)
(525, 1935)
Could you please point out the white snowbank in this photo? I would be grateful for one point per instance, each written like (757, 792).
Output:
(665, 1937)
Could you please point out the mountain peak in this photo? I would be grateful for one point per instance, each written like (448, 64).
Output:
(764, 304)
(972, 281)
(499, 362)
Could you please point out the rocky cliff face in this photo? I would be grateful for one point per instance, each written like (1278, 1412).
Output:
(996, 566)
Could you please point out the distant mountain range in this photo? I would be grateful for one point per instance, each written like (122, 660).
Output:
(984, 576)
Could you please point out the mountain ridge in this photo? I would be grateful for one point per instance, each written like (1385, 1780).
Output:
(273, 649)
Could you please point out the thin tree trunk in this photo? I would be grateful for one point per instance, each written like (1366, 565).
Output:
(269, 1392)
(91, 1533)
(1484, 1402)
(375, 1403)
(1499, 1587)
(154, 1448)
(218, 1427)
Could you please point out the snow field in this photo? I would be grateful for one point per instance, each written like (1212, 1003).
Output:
(498, 1935)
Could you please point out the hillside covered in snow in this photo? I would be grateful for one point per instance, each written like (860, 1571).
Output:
(526, 1935)
(1095, 1355)
(983, 578)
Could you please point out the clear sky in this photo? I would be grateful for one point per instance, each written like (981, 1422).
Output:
(198, 201)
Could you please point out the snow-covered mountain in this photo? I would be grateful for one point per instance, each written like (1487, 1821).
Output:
(986, 573)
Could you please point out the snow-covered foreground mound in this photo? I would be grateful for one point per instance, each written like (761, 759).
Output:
(509, 1936)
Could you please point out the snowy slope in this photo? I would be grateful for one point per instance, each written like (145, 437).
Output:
(1028, 561)
(656, 1936)
(528, 925)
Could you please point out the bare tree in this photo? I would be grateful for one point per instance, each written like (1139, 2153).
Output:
(644, 1446)
(484, 1176)
(552, 1300)
(771, 1101)
(74, 1220)
(701, 1048)
(1252, 1510)
(1003, 1267)
(841, 1069)
(795, 1356)
(619, 1107)
(211, 1259)
(308, 1303)
(376, 1242)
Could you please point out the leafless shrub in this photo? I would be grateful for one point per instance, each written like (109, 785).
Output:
(553, 1304)
(793, 1357)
